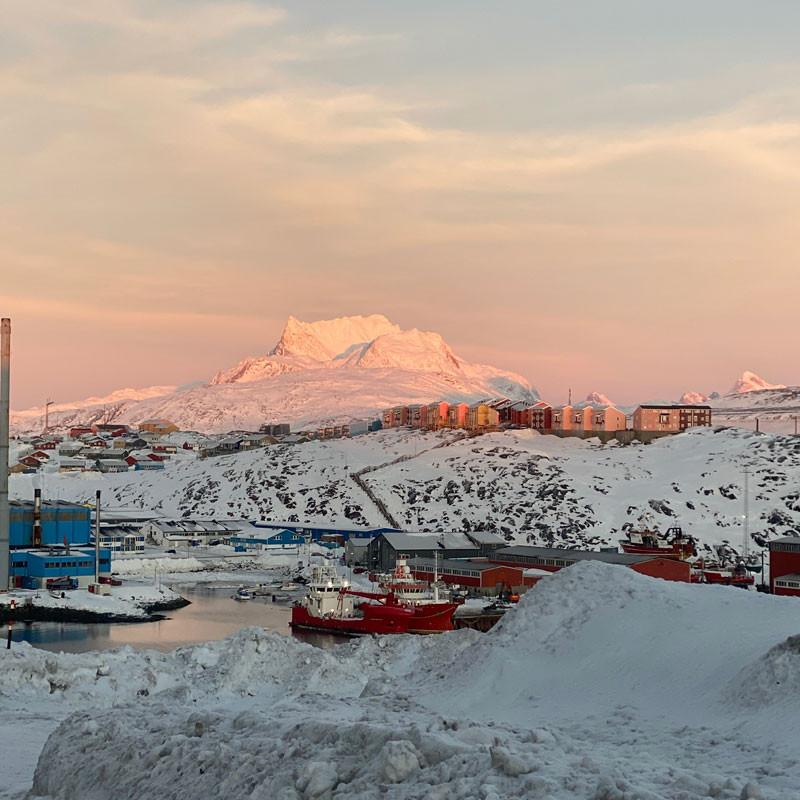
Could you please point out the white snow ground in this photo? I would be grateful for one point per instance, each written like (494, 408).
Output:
(602, 685)
(528, 487)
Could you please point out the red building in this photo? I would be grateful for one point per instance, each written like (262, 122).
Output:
(76, 433)
(553, 559)
(784, 566)
(476, 573)
(538, 416)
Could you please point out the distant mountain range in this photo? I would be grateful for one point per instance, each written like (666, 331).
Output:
(318, 373)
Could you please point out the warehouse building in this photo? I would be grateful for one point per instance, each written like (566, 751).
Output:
(384, 550)
(552, 559)
(62, 523)
(784, 566)
(32, 569)
(479, 575)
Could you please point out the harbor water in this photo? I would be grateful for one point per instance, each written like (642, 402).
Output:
(213, 614)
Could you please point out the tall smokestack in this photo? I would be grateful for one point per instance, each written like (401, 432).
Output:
(5, 378)
(37, 517)
(97, 537)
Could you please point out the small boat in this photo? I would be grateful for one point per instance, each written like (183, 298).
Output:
(332, 606)
(499, 605)
(243, 594)
(736, 575)
(289, 586)
(279, 597)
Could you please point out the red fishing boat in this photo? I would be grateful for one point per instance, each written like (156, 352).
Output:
(333, 607)
(736, 575)
(673, 544)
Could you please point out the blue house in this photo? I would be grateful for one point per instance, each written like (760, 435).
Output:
(269, 540)
(328, 530)
(32, 568)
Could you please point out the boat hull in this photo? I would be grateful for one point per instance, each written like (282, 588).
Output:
(644, 550)
(380, 620)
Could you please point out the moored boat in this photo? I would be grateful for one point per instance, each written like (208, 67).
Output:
(736, 575)
(331, 605)
(646, 541)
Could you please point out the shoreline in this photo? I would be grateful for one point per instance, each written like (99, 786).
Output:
(151, 612)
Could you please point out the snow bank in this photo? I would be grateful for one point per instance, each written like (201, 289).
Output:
(602, 685)
(597, 635)
(149, 566)
(249, 663)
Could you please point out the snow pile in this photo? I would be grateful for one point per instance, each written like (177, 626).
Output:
(772, 680)
(151, 566)
(596, 635)
(252, 662)
(602, 685)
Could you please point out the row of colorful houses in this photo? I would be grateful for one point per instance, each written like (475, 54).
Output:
(579, 419)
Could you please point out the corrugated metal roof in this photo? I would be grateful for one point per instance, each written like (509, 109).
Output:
(429, 541)
(485, 537)
(572, 555)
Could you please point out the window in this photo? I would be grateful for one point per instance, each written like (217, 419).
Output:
(663, 419)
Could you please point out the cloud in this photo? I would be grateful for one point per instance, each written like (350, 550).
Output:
(198, 161)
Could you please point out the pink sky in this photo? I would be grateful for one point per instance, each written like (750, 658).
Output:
(175, 186)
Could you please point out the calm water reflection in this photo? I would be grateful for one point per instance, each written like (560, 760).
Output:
(212, 615)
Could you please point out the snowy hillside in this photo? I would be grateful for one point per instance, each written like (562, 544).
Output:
(601, 685)
(317, 374)
(88, 411)
(541, 489)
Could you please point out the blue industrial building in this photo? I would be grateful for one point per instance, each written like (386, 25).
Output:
(32, 569)
(63, 549)
(62, 523)
(317, 532)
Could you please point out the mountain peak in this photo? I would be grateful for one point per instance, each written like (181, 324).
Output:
(328, 339)
(750, 382)
(598, 399)
(694, 398)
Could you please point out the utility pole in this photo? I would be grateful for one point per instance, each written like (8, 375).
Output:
(746, 548)
(795, 418)
(5, 393)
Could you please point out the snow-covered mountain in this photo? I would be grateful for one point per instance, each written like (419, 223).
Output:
(597, 399)
(90, 410)
(750, 382)
(318, 373)
(694, 398)
(753, 401)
